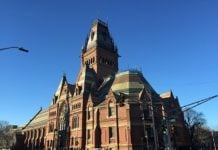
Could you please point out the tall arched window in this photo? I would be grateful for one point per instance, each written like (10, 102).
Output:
(62, 117)
(111, 109)
(89, 113)
(61, 124)
(75, 123)
(51, 127)
(88, 134)
(92, 35)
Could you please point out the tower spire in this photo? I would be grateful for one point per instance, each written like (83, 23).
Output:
(99, 51)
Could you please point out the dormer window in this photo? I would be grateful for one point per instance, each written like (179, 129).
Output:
(75, 122)
(111, 109)
(104, 35)
(51, 127)
(89, 113)
(92, 35)
(78, 89)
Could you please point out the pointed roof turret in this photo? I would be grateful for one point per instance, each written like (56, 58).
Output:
(84, 81)
(63, 80)
(63, 91)
(99, 36)
(99, 52)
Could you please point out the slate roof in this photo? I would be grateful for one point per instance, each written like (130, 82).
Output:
(99, 36)
(105, 87)
(131, 83)
(39, 120)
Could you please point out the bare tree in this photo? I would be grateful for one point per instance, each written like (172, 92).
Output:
(199, 134)
(205, 138)
(3, 124)
(6, 136)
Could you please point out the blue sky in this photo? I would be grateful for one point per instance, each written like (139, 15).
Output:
(174, 44)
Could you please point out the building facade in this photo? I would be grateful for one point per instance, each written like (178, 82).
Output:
(106, 109)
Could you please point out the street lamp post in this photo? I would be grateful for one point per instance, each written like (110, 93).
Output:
(15, 47)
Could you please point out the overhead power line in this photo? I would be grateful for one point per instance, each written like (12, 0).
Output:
(197, 103)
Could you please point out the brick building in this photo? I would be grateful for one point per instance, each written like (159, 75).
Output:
(106, 109)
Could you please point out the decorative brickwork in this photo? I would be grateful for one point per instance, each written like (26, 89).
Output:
(105, 109)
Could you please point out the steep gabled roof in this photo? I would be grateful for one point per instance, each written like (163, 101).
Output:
(99, 36)
(63, 80)
(85, 79)
(63, 83)
(39, 120)
(105, 87)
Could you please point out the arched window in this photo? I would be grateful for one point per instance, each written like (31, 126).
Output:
(111, 109)
(78, 89)
(92, 35)
(111, 132)
(72, 140)
(89, 113)
(100, 60)
(62, 116)
(51, 127)
(76, 141)
(61, 124)
(75, 123)
(88, 134)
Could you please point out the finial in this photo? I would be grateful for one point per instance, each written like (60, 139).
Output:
(64, 74)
